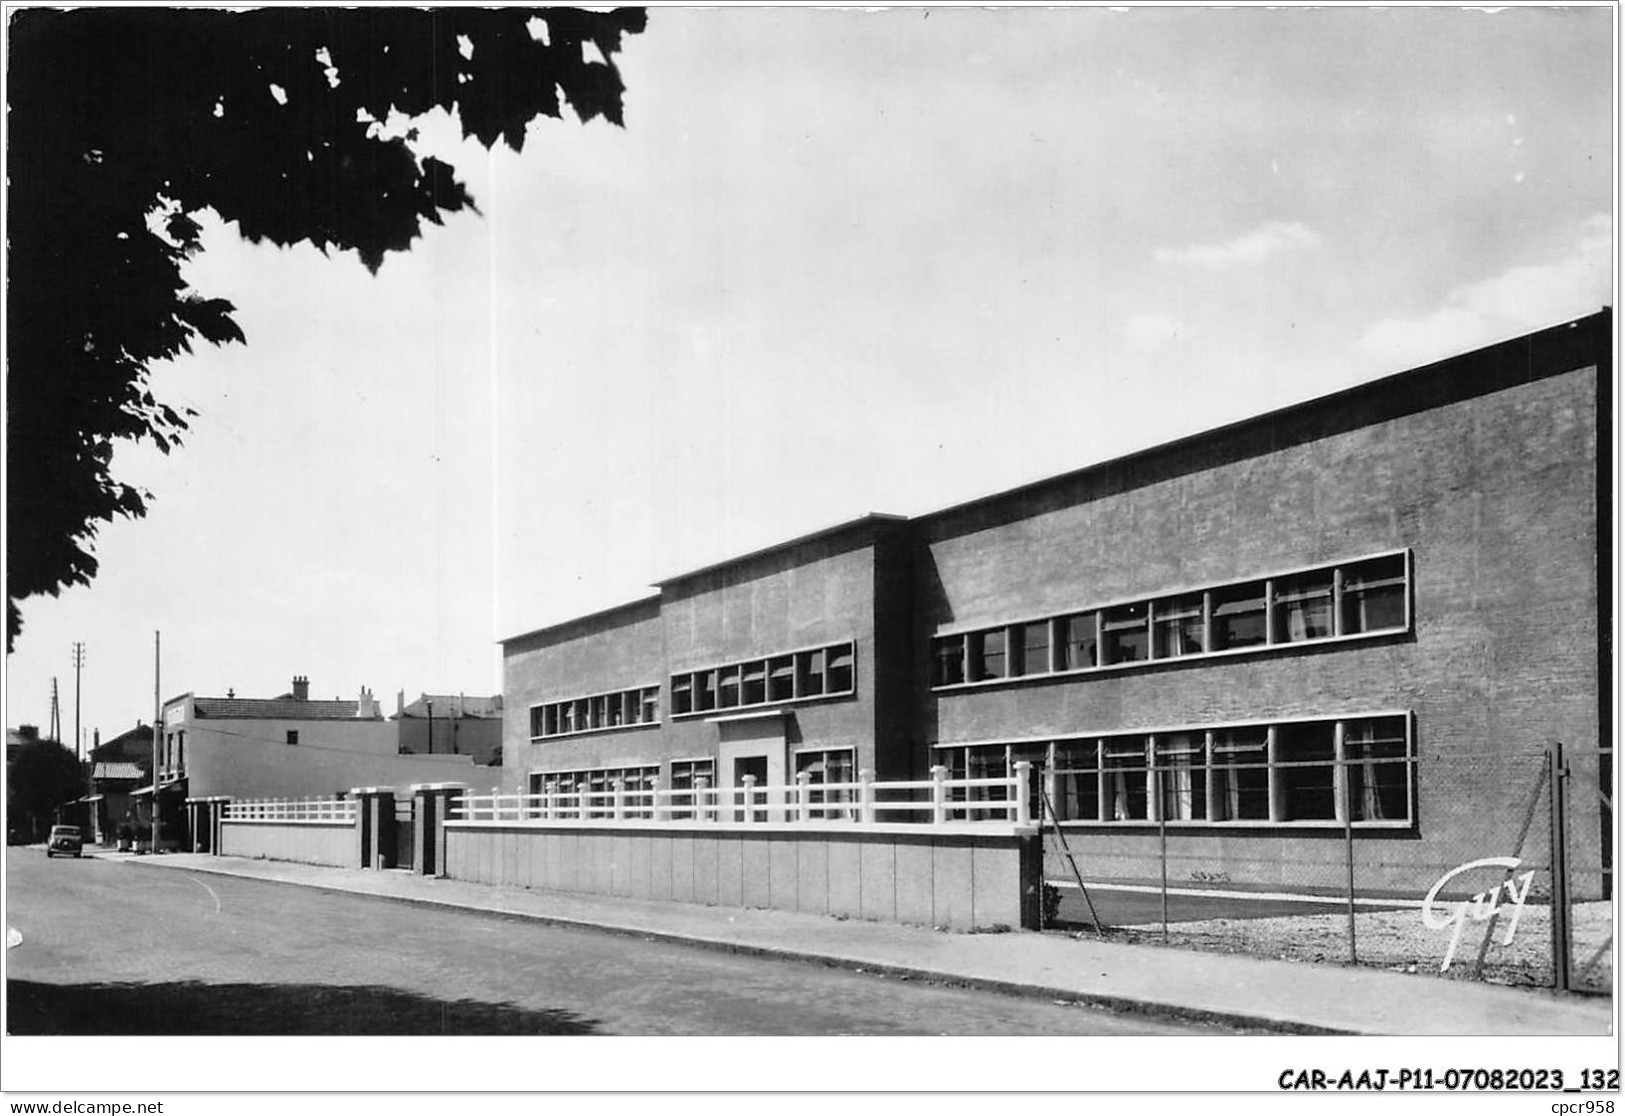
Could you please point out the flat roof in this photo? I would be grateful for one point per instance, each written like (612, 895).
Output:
(868, 519)
(1394, 384)
(595, 615)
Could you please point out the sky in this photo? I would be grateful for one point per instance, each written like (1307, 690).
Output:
(836, 262)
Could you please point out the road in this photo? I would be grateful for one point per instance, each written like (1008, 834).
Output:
(115, 948)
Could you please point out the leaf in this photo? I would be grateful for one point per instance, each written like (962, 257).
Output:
(117, 113)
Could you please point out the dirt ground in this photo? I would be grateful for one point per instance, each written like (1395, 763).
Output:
(1400, 940)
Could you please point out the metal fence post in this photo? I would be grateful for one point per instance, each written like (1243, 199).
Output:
(1023, 789)
(866, 795)
(1345, 771)
(1162, 840)
(750, 798)
(1562, 975)
(939, 795)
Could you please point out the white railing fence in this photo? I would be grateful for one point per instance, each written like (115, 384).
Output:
(938, 800)
(337, 810)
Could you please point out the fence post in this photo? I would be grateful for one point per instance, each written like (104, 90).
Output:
(217, 825)
(1348, 834)
(939, 794)
(620, 799)
(804, 796)
(1562, 975)
(1162, 842)
(423, 831)
(750, 798)
(581, 800)
(1024, 805)
(701, 786)
(866, 795)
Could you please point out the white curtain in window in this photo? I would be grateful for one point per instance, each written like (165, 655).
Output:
(1119, 785)
(1370, 800)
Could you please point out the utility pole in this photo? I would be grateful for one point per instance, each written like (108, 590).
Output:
(157, 730)
(78, 665)
(56, 715)
(95, 802)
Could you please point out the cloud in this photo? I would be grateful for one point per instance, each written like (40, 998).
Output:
(1520, 299)
(1247, 250)
(1146, 333)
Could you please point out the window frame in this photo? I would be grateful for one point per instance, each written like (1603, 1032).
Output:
(607, 711)
(1064, 648)
(811, 671)
(1143, 777)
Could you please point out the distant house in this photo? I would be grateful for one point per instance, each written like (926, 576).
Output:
(451, 724)
(132, 746)
(120, 774)
(289, 746)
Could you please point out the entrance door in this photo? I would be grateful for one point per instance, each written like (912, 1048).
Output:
(756, 766)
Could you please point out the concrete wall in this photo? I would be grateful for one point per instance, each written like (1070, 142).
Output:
(818, 593)
(960, 880)
(621, 649)
(814, 593)
(248, 759)
(330, 843)
(1496, 496)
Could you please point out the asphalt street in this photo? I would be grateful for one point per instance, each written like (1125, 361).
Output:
(110, 948)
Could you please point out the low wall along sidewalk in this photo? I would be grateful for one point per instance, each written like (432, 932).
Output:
(955, 874)
(971, 877)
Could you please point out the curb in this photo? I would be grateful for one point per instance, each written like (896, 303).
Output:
(1117, 1005)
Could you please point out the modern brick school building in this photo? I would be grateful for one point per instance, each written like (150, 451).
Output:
(1366, 614)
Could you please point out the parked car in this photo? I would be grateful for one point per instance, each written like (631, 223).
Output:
(65, 839)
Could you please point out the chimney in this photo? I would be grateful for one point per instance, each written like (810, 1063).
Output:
(301, 688)
(366, 709)
(400, 703)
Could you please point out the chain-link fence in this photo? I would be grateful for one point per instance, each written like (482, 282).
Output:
(1440, 864)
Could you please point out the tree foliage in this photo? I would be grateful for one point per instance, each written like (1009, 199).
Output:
(40, 779)
(126, 122)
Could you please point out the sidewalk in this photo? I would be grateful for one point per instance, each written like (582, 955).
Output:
(1244, 991)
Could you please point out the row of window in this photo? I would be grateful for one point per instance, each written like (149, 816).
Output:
(1353, 598)
(1355, 769)
(637, 782)
(640, 706)
(820, 766)
(819, 672)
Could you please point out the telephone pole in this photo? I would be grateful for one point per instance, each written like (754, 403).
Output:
(157, 729)
(56, 715)
(78, 665)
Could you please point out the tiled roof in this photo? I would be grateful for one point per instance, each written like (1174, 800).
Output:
(274, 709)
(116, 771)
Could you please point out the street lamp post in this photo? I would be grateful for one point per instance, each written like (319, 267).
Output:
(429, 705)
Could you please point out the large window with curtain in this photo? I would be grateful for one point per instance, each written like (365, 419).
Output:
(1306, 772)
